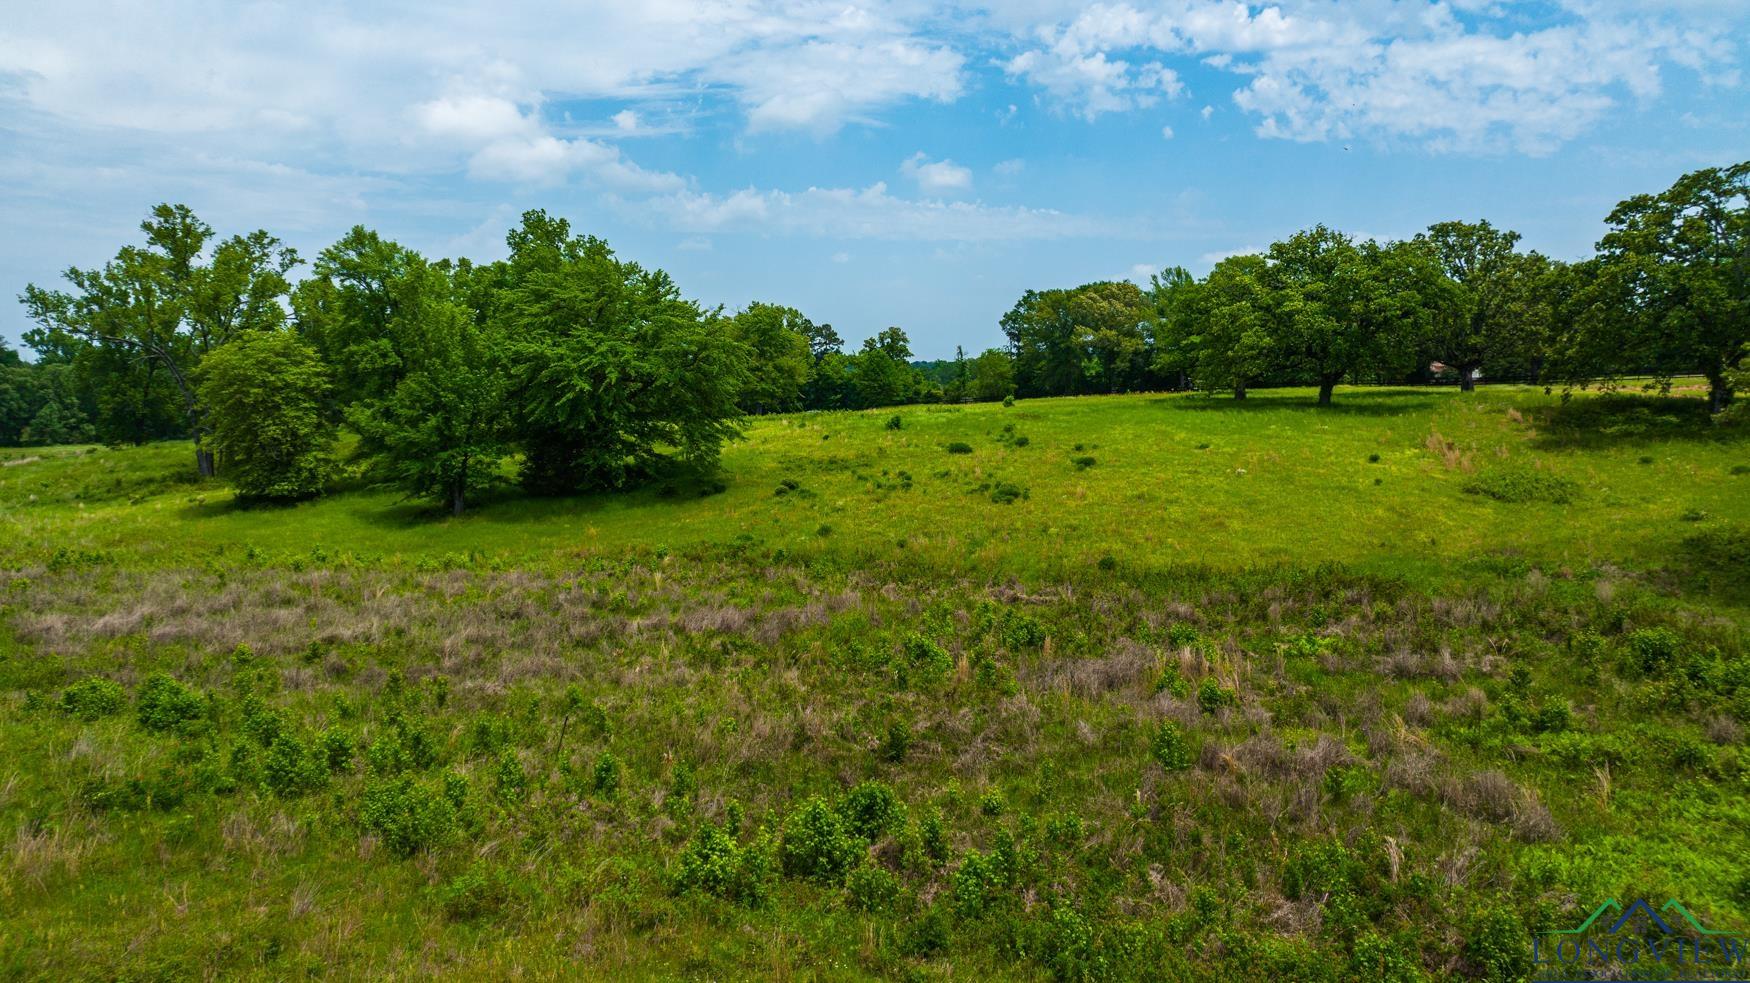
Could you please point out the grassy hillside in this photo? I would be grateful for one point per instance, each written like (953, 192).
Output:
(1142, 686)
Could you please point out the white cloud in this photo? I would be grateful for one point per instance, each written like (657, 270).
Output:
(868, 213)
(626, 120)
(1010, 167)
(1166, 133)
(936, 176)
(1456, 75)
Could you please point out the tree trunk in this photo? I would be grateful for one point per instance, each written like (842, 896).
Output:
(456, 499)
(1467, 378)
(1718, 392)
(1326, 386)
(1240, 389)
(203, 460)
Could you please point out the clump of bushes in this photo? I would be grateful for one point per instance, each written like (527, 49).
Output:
(93, 699)
(1522, 484)
(959, 447)
(895, 422)
(818, 845)
(410, 816)
(167, 706)
(1083, 462)
(716, 864)
(1005, 492)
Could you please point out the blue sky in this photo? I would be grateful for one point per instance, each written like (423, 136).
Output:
(912, 164)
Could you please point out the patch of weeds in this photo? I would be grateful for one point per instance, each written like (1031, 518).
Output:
(1523, 484)
(93, 699)
(1004, 493)
(959, 447)
(1083, 462)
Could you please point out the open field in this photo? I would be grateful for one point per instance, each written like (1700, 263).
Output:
(1152, 686)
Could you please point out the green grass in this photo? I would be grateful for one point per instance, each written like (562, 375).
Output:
(1441, 663)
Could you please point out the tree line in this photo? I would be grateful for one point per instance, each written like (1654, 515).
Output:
(592, 372)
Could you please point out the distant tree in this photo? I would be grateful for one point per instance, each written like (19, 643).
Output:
(780, 357)
(1670, 291)
(1045, 344)
(1343, 308)
(958, 384)
(1220, 331)
(877, 378)
(822, 340)
(612, 371)
(1110, 318)
(1495, 316)
(442, 432)
(161, 304)
(264, 393)
(993, 376)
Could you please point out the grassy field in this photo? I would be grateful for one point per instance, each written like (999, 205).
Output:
(1150, 686)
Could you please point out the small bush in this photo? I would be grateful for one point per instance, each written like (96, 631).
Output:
(1083, 462)
(871, 888)
(1008, 401)
(871, 810)
(1652, 652)
(509, 782)
(817, 844)
(1212, 697)
(292, 768)
(897, 742)
(1170, 747)
(959, 447)
(337, 749)
(716, 864)
(1005, 492)
(407, 815)
(925, 659)
(1020, 631)
(605, 776)
(166, 705)
(895, 422)
(93, 699)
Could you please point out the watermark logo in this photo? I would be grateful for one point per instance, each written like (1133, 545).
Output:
(1635, 941)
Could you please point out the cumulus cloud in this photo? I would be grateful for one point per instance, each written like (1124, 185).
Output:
(1457, 76)
(868, 213)
(936, 176)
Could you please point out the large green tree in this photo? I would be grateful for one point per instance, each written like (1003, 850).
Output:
(1496, 318)
(441, 431)
(1671, 287)
(170, 304)
(265, 394)
(1344, 308)
(613, 372)
(346, 307)
(778, 343)
(1218, 332)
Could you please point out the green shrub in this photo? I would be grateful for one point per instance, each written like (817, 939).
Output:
(1169, 681)
(928, 934)
(715, 864)
(475, 894)
(976, 883)
(1508, 483)
(818, 845)
(1020, 631)
(959, 447)
(1212, 697)
(871, 810)
(1495, 945)
(1319, 869)
(510, 783)
(337, 749)
(925, 659)
(1005, 492)
(604, 778)
(1008, 401)
(93, 699)
(1170, 747)
(1652, 651)
(408, 816)
(1083, 462)
(291, 768)
(897, 742)
(1381, 960)
(165, 705)
(871, 888)
(895, 422)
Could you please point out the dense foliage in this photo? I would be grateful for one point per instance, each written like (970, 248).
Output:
(580, 371)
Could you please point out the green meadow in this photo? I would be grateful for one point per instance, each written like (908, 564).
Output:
(1143, 686)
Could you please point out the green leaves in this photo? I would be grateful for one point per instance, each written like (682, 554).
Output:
(265, 394)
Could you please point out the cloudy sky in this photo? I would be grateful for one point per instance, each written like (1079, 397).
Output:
(917, 164)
